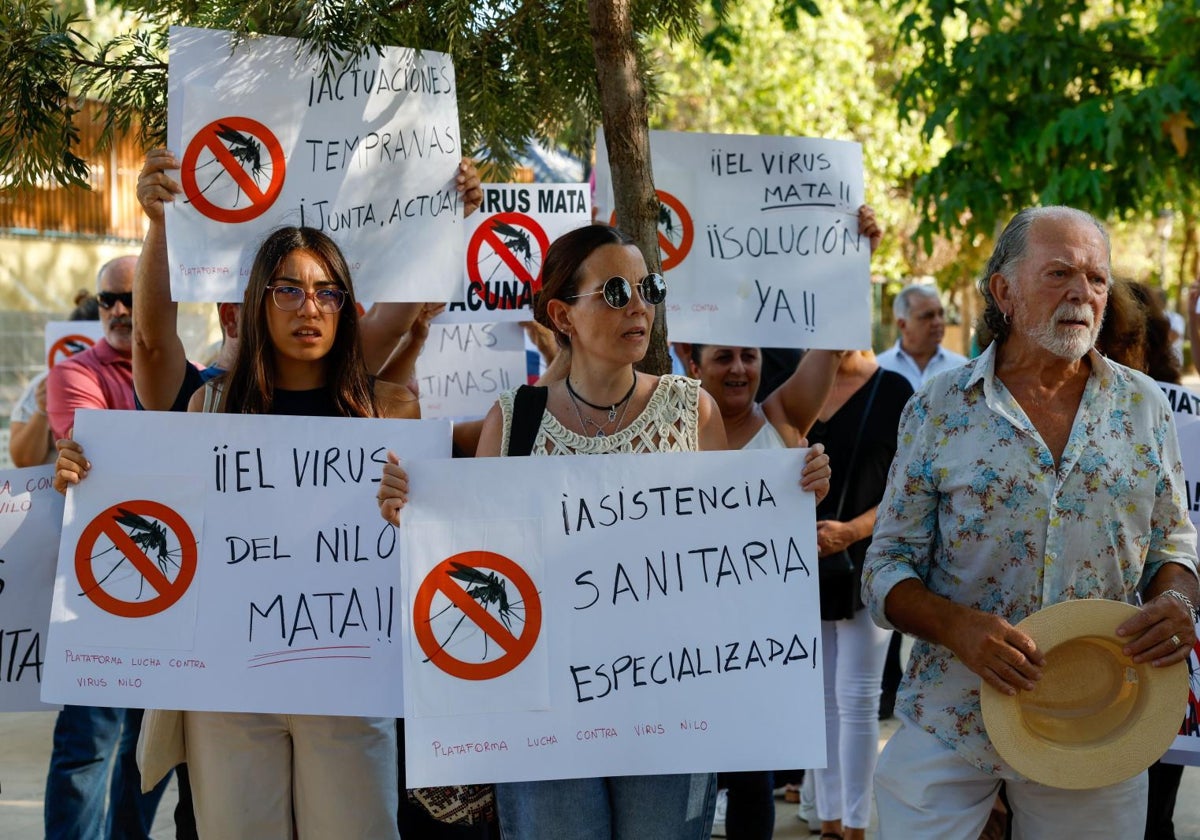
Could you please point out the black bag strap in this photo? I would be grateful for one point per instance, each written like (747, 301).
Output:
(528, 406)
(862, 426)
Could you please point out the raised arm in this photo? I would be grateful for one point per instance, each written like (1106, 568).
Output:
(798, 400)
(401, 366)
(159, 359)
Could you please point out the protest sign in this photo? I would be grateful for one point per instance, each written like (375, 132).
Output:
(629, 614)
(759, 238)
(369, 155)
(30, 519)
(65, 339)
(258, 577)
(507, 240)
(1186, 748)
(1185, 404)
(465, 367)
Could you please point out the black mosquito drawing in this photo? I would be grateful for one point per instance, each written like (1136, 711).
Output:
(517, 241)
(666, 221)
(151, 537)
(245, 150)
(488, 589)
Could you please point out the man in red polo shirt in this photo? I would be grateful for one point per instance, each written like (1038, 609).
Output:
(88, 740)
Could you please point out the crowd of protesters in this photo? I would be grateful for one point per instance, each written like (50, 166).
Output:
(906, 497)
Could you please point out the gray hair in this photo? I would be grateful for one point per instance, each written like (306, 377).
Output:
(902, 305)
(1010, 250)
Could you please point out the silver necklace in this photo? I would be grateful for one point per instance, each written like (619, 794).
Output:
(585, 422)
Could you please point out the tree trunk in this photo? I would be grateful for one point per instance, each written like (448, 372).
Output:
(627, 135)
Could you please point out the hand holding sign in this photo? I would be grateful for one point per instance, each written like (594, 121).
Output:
(154, 187)
(71, 467)
(393, 489)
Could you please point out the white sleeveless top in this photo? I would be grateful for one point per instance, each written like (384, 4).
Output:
(670, 422)
(767, 437)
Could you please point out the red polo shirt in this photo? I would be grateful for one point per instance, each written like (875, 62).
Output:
(99, 377)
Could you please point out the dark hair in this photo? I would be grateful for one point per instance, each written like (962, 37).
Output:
(1122, 336)
(87, 307)
(251, 379)
(1010, 249)
(560, 269)
(1161, 362)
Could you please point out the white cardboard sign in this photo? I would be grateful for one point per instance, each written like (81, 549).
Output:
(582, 616)
(759, 238)
(30, 519)
(1186, 747)
(369, 156)
(507, 240)
(67, 338)
(257, 577)
(1184, 403)
(463, 368)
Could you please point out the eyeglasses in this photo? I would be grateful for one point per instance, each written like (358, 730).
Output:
(109, 299)
(617, 293)
(291, 298)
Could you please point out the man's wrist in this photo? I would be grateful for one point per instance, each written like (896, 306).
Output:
(1182, 598)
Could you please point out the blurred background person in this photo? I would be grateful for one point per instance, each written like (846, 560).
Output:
(30, 442)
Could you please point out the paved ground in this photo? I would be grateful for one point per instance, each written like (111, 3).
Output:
(25, 753)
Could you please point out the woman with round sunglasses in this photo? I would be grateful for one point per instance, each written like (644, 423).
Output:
(598, 299)
(275, 775)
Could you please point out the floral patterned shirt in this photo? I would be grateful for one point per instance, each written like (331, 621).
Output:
(977, 511)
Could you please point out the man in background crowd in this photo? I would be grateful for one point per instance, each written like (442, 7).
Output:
(91, 741)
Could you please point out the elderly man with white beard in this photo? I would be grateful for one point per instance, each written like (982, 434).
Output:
(1038, 473)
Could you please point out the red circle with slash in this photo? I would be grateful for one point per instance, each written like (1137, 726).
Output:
(106, 523)
(515, 647)
(672, 254)
(61, 348)
(487, 234)
(209, 138)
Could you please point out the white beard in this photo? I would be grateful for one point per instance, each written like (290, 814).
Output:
(1065, 342)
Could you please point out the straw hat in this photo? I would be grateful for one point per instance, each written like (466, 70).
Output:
(1096, 717)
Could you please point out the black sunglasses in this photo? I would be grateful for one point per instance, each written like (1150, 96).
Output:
(617, 291)
(108, 299)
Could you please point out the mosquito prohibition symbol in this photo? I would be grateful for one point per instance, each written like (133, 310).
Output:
(675, 229)
(474, 582)
(141, 533)
(511, 245)
(225, 165)
(66, 347)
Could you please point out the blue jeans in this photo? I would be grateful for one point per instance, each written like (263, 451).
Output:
(88, 740)
(670, 807)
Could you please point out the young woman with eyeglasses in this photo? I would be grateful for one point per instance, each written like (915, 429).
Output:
(598, 299)
(269, 775)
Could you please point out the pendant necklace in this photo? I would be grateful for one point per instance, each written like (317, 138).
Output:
(585, 422)
(611, 409)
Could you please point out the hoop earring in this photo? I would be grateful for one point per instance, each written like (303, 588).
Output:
(1007, 319)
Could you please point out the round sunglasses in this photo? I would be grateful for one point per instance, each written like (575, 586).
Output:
(291, 298)
(617, 291)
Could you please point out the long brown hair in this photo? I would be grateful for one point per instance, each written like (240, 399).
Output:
(251, 388)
